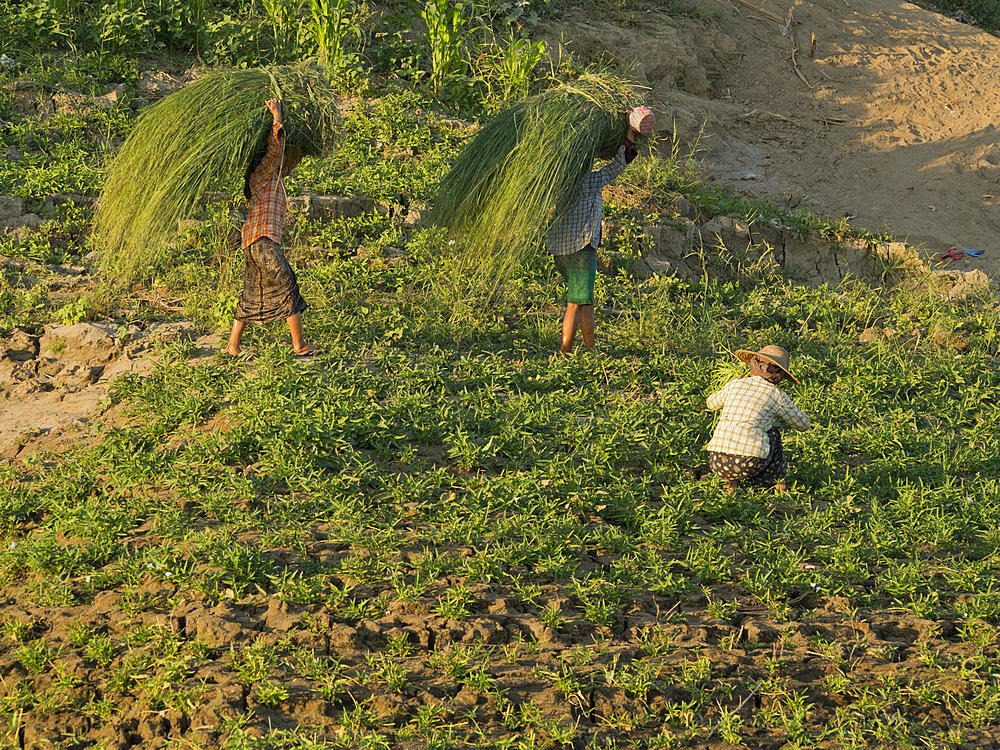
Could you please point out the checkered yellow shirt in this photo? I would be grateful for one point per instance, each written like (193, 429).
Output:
(750, 407)
(266, 212)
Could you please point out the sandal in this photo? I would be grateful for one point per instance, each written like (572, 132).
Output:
(309, 351)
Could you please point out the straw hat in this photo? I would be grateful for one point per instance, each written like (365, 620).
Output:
(771, 353)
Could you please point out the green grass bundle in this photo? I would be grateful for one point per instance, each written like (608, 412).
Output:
(522, 171)
(199, 138)
(727, 368)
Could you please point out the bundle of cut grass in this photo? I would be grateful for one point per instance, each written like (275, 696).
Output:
(727, 368)
(522, 171)
(198, 138)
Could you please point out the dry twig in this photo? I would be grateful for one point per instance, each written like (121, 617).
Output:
(789, 21)
(762, 11)
(775, 115)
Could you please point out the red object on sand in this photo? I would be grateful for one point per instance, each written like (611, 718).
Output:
(954, 253)
(642, 119)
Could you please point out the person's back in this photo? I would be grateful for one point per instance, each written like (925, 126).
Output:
(746, 443)
(751, 406)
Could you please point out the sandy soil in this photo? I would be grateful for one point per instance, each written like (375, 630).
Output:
(890, 121)
(54, 381)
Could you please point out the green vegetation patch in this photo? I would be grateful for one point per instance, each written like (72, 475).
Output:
(438, 533)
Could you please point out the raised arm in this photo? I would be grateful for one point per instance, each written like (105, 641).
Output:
(274, 107)
(609, 172)
(271, 162)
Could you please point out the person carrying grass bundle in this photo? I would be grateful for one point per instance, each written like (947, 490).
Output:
(270, 288)
(573, 241)
(746, 444)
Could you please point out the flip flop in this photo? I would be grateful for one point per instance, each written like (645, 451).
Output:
(308, 352)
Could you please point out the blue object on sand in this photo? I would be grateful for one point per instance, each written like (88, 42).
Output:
(973, 253)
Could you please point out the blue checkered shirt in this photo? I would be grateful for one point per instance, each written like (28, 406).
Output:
(581, 226)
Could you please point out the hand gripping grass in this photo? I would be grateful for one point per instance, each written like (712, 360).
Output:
(198, 138)
(523, 170)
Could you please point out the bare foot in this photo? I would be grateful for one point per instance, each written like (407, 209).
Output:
(232, 352)
(730, 487)
(779, 488)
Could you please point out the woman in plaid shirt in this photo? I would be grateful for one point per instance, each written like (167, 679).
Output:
(270, 288)
(746, 444)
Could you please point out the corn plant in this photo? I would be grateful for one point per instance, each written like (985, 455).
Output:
(446, 33)
(508, 66)
(282, 15)
(327, 26)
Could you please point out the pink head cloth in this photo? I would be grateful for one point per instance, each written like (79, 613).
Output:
(642, 119)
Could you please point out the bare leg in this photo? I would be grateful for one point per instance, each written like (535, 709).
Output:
(295, 327)
(586, 317)
(233, 347)
(569, 327)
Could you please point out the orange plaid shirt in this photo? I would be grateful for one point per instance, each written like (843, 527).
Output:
(266, 212)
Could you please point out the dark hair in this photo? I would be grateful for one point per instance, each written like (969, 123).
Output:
(255, 161)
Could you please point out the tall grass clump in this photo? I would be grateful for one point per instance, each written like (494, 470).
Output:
(522, 171)
(198, 138)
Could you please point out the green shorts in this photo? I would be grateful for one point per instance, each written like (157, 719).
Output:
(580, 271)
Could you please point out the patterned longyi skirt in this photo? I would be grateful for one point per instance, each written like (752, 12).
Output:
(270, 288)
(759, 471)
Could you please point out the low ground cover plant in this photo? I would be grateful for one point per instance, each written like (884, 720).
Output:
(436, 535)
(436, 515)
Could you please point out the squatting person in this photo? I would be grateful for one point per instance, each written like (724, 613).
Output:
(746, 444)
(270, 288)
(573, 241)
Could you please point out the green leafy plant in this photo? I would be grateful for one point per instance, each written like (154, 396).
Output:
(455, 603)
(124, 26)
(74, 311)
(329, 24)
(271, 693)
(552, 616)
(282, 15)
(509, 66)
(447, 31)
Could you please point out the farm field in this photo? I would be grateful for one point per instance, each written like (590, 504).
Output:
(437, 534)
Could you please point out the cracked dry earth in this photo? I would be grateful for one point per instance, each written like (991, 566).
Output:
(160, 663)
